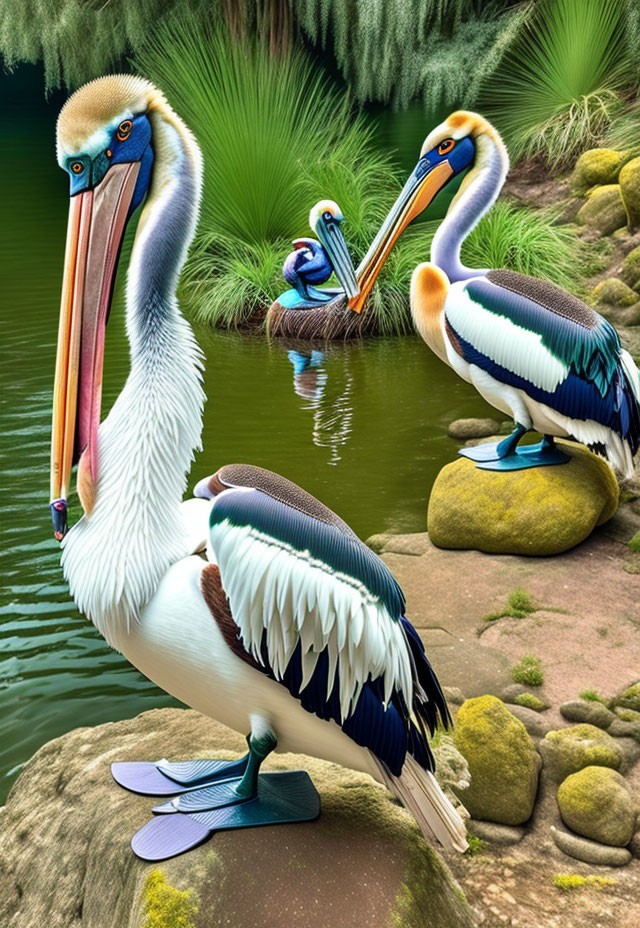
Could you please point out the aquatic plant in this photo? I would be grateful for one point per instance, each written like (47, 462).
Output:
(558, 85)
(528, 671)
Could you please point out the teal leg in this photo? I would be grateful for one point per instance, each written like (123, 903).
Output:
(495, 451)
(231, 791)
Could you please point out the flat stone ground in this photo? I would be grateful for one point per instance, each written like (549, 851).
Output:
(586, 632)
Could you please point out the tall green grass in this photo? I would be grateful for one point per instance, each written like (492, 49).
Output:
(276, 138)
(558, 86)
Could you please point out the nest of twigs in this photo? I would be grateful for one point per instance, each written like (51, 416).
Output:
(331, 321)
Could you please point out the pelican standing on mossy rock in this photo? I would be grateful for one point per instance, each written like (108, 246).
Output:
(291, 630)
(531, 349)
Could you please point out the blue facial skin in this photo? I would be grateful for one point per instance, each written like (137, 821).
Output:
(136, 147)
(460, 157)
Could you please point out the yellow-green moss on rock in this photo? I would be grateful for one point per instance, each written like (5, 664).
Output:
(597, 166)
(503, 762)
(614, 292)
(630, 698)
(568, 750)
(165, 906)
(630, 271)
(604, 210)
(630, 190)
(537, 511)
(597, 803)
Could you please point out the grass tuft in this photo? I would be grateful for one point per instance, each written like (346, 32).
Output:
(528, 671)
(559, 84)
(634, 544)
(592, 696)
(519, 605)
(476, 845)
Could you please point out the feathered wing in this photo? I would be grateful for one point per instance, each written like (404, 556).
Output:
(319, 612)
(534, 336)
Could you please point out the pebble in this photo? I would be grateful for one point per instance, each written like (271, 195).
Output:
(536, 725)
(591, 852)
(493, 833)
(463, 429)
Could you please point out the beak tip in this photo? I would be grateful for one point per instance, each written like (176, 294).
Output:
(59, 517)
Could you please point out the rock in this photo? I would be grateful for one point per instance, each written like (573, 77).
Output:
(542, 510)
(453, 694)
(615, 293)
(503, 762)
(531, 701)
(378, 542)
(634, 845)
(630, 697)
(630, 190)
(493, 833)
(604, 211)
(597, 804)
(596, 166)
(415, 544)
(620, 729)
(619, 315)
(511, 692)
(583, 710)
(65, 858)
(463, 429)
(630, 270)
(627, 715)
(536, 725)
(591, 852)
(567, 750)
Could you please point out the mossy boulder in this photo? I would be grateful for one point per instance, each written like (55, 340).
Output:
(464, 429)
(604, 210)
(66, 860)
(630, 697)
(614, 292)
(567, 750)
(503, 762)
(630, 270)
(538, 511)
(597, 803)
(630, 190)
(596, 166)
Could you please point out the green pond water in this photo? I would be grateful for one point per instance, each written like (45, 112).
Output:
(365, 432)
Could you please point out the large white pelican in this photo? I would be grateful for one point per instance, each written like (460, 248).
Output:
(292, 630)
(531, 349)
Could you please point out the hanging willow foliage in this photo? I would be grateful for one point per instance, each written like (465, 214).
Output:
(79, 39)
(396, 50)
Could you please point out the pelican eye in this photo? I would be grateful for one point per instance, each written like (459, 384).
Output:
(77, 167)
(124, 130)
(445, 146)
(327, 215)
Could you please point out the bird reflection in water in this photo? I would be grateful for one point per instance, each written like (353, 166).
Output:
(330, 402)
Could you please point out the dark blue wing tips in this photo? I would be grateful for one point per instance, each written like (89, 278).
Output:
(324, 542)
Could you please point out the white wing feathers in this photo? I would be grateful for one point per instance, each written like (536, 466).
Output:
(275, 589)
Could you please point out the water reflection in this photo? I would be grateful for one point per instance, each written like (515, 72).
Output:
(330, 401)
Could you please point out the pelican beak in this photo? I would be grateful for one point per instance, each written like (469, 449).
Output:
(97, 220)
(335, 246)
(423, 184)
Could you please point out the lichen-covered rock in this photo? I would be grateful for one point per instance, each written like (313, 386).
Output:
(65, 857)
(604, 210)
(630, 697)
(567, 750)
(464, 429)
(597, 804)
(614, 292)
(539, 511)
(503, 762)
(589, 711)
(621, 316)
(591, 852)
(630, 190)
(493, 833)
(597, 166)
(630, 270)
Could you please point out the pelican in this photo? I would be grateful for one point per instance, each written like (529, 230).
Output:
(532, 350)
(313, 263)
(290, 630)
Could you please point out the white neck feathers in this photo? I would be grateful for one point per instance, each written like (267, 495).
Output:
(114, 558)
(477, 194)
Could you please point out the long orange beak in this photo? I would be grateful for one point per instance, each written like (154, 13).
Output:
(97, 220)
(414, 198)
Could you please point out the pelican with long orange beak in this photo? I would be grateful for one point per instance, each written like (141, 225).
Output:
(289, 630)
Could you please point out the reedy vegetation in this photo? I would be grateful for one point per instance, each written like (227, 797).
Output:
(276, 138)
